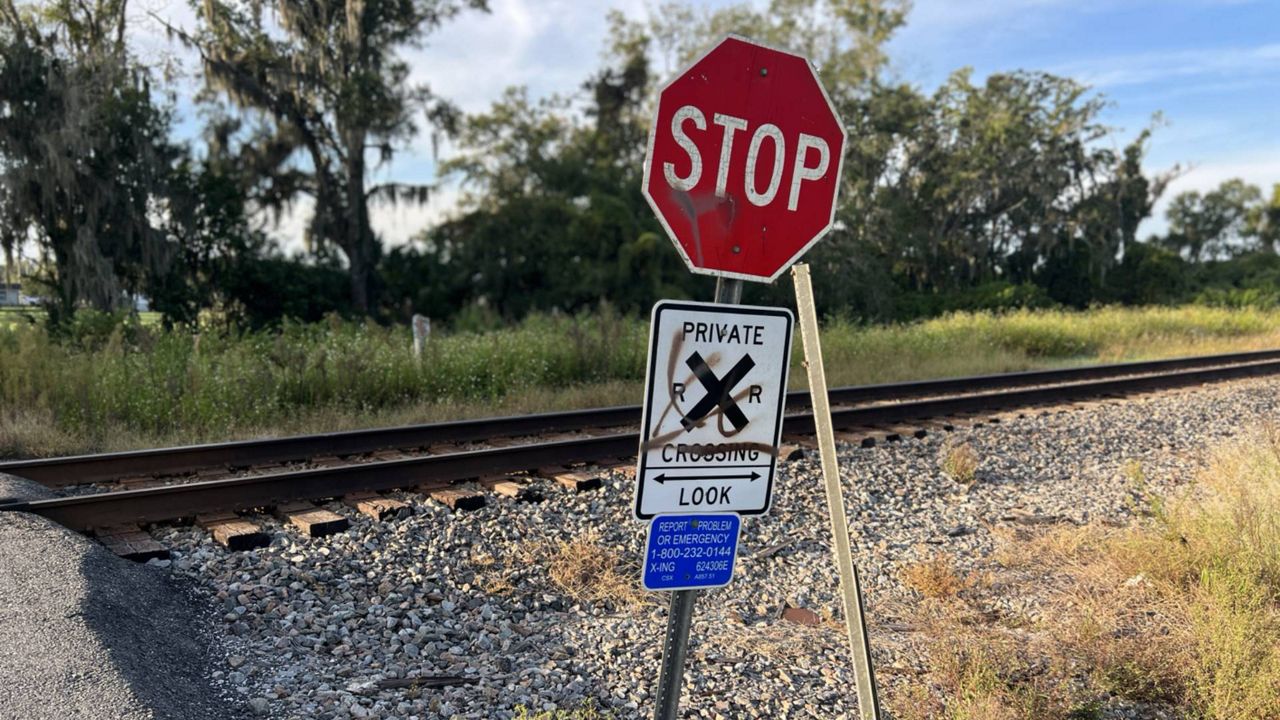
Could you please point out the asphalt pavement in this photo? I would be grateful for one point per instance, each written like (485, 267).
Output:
(87, 635)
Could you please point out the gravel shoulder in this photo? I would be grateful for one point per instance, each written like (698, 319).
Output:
(84, 634)
(327, 624)
(524, 603)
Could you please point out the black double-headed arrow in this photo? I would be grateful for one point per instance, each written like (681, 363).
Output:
(665, 478)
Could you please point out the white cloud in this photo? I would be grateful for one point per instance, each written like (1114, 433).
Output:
(549, 45)
(395, 224)
(1141, 68)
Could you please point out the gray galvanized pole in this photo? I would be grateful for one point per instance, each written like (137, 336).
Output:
(680, 615)
(728, 292)
(674, 650)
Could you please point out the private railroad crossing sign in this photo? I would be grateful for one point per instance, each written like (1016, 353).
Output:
(744, 161)
(714, 396)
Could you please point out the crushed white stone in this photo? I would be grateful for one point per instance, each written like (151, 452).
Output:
(322, 624)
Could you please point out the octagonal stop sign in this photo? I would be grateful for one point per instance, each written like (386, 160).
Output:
(744, 161)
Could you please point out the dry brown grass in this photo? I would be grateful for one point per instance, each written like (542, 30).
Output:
(583, 569)
(977, 666)
(32, 433)
(1180, 611)
(935, 578)
(492, 576)
(960, 462)
(588, 570)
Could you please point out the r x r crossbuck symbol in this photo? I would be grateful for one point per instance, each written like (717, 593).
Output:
(719, 392)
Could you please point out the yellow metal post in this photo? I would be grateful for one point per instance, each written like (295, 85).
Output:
(868, 703)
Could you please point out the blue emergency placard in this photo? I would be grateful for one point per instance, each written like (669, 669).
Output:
(686, 552)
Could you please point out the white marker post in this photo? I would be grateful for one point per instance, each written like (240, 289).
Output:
(851, 593)
(421, 331)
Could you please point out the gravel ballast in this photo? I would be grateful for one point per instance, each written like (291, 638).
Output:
(339, 627)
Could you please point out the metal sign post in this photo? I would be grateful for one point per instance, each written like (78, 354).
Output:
(680, 613)
(855, 622)
(421, 331)
(741, 118)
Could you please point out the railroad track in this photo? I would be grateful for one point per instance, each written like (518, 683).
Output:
(501, 454)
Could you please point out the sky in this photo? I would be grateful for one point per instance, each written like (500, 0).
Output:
(1209, 68)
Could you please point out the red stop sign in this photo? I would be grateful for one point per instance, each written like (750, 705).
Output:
(744, 161)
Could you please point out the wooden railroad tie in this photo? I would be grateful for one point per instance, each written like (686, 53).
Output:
(561, 437)
(456, 498)
(138, 482)
(312, 520)
(865, 437)
(327, 461)
(624, 466)
(378, 507)
(789, 451)
(511, 487)
(234, 532)
(576, 480)
(803, 442)
(898, 432)
(131, 542)
(213, 473)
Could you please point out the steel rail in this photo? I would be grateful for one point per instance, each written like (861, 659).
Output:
(79, 469)
(86, 512)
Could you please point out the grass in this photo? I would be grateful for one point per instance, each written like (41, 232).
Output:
(960, 463)
(119, 387)
(588, 570)
(1180, 612)
(583, 569)
(935, 578)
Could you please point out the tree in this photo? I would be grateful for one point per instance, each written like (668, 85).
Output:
(555, 218)
(956, 198)
(84, 156)
(213, 197)
(844, 38)
(1264, 222)
(1214, 225)
(330, 77)
(1103, 228)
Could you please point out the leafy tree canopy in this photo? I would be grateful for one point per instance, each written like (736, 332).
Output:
(85, 158)
(330, 77)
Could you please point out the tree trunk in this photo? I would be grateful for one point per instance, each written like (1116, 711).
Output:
(61, 306)
(359, 270)
(359, 241)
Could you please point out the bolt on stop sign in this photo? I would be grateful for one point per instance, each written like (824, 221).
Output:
(744, 161)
